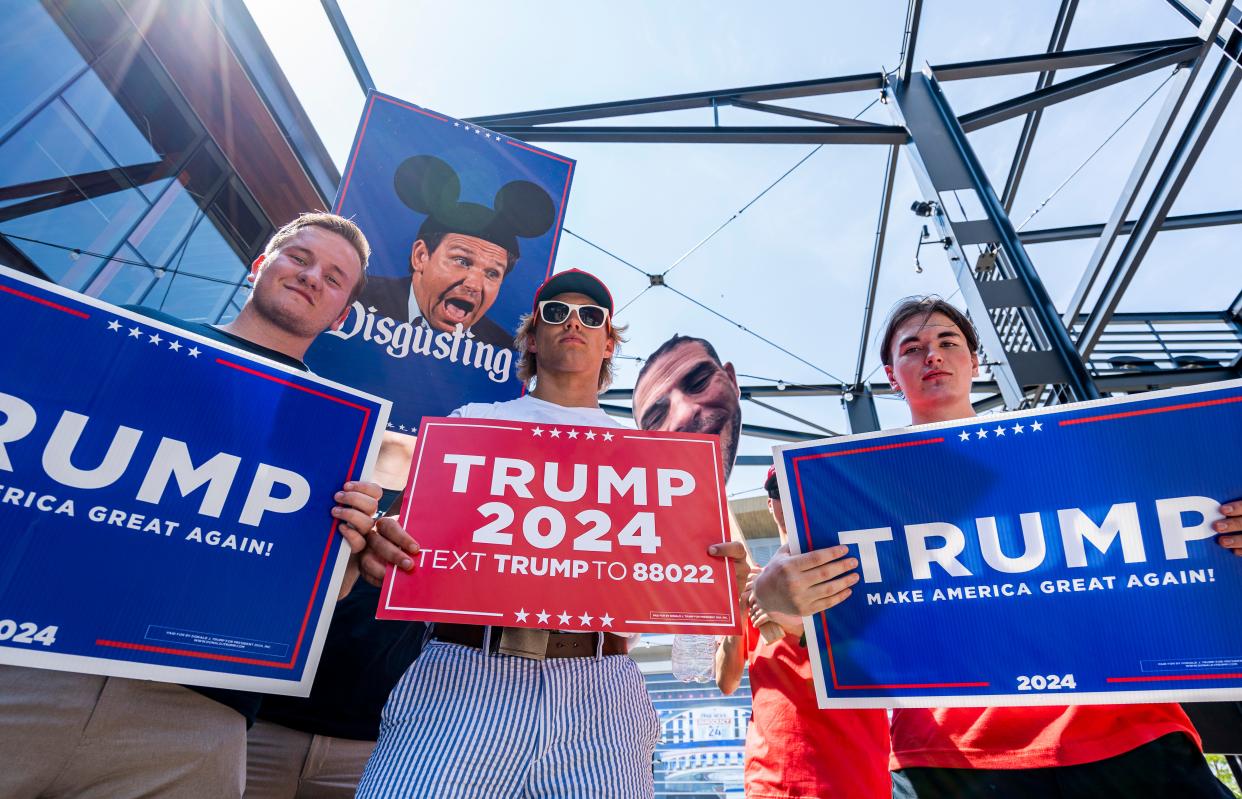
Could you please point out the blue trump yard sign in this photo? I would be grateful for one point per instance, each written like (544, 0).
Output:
(1059, 556)
(165, 499)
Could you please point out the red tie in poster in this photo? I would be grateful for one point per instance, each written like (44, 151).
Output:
(565, 527)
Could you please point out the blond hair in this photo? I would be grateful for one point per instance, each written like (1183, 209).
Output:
(332, 223)
(528, 364)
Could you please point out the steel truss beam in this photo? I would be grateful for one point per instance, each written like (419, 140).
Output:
(1179, 89)
(682, 102)
(1043, 62)
(1184, 222)
(1030, 125)
(1076, 87)
(705, 134)
(346, 37)
(1220, 89)
(860, 408)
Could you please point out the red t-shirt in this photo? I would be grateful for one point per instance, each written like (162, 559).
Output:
(1028, 737)
(794, 750)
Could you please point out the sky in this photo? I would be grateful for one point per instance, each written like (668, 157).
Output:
(793, 267)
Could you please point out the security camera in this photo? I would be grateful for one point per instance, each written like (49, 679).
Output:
(923, 208)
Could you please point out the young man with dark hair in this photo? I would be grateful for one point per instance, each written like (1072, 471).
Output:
(67, 734)
(1074, 752)
(491, 711)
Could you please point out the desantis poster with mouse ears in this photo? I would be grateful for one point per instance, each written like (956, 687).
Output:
(463, 225)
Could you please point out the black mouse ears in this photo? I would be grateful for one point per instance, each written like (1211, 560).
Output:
(428, 185)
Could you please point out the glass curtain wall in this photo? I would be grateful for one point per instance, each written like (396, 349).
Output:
(108, 183)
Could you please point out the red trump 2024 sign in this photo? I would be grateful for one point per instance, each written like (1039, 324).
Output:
(565, 527)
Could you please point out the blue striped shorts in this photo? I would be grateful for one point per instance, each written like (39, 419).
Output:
(462, 723)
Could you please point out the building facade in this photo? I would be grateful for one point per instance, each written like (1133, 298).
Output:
(139, 163)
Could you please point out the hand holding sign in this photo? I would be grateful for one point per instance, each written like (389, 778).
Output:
(572, 528)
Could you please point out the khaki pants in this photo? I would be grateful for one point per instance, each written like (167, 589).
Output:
(287, 764)
(84, 736)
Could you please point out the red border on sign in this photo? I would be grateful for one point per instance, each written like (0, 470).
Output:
(48, 303)
(1148, 411)
(323, 560)
(823, 617)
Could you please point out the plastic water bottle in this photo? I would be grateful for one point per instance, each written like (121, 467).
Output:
(694, 658)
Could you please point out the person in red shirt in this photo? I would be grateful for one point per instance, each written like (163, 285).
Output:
(794, 750)
(930, 354)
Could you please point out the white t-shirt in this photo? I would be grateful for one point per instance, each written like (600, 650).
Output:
(528, 408)
(532, 409)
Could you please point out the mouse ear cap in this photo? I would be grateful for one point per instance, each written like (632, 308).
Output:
(426, 184)
(526, 207)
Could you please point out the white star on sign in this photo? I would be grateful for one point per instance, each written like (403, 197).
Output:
(1036, 426)
(521, 614)
(155, 339)
(982, 433)
(999, 431)
(175, 346)
(1017, 428)
(542, 616)
(608, 436)
(564, 617)
(605, 620)
(193, 352)
(585, 618)
(114, 325)
(964, 436)
(590, 435)
(401, 428)
(573, 433)
(390, 424)
(135, 332)
(457, 124)
(537, 431)
(556, 433)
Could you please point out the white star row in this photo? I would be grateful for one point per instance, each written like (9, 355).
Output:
(564, 618)
(487, 134)
(999, 430)
(402, 428)
(555, 432)
(153, 338)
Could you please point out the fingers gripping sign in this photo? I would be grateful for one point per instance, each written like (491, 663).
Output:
(1230, 527)
(806, 584)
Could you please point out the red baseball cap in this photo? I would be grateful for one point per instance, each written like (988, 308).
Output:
(578, 282)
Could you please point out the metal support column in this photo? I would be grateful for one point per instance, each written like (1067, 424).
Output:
(1020, 330)
(860, 410)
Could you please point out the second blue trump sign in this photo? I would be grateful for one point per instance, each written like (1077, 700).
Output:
(165, 499)
(1061, 556)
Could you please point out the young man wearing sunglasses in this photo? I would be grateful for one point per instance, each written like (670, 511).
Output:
(930, 354)
(495, 711)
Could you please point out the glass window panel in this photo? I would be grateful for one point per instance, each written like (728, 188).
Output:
(135, 114)
(60, 266)
(163, 230)
(61, 188)
(207, 273)
(96, 22)
(36, 58)
(242, 216)
(124, 283)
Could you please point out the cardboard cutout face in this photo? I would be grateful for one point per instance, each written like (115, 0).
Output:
(685, 388)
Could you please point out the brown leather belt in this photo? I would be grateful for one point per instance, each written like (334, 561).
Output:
(560, 645)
